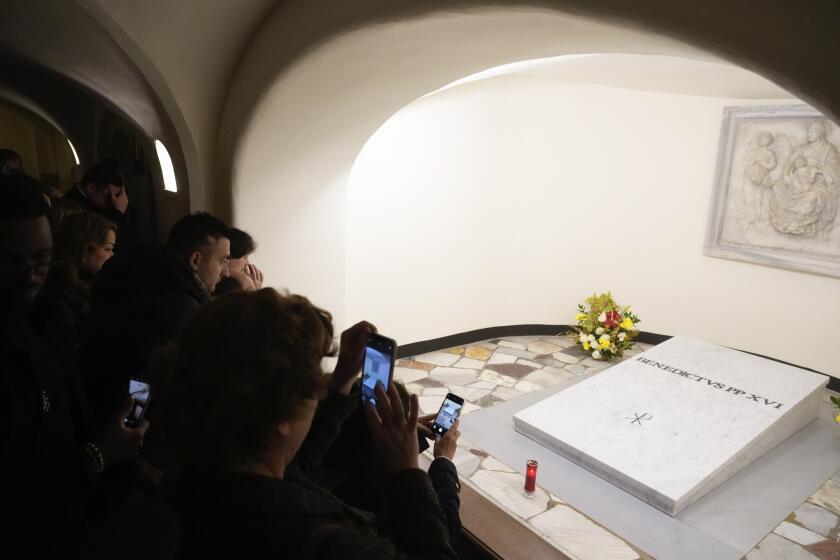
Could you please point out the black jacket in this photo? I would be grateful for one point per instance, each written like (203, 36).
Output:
(45, 473)
(237, 515)
(141, 297)
(242, 515)
(62, 315)
(348, 466)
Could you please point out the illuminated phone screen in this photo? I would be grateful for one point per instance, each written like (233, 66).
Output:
(377, 366)
(446, 417)
(139, 391)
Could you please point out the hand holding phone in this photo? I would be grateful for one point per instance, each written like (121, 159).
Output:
(351, 355)
(119, 442)
(378, 365)
(447, 445)
(449, 412)
(139, 390)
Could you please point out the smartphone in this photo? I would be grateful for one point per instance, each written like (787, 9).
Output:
(378, 367)
(139, 390)
(448, 413)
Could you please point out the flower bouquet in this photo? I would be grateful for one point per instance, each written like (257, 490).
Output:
(836, 402)
(604, 328)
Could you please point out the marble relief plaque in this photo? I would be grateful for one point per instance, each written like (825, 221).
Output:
(778, 189)
(672, 423)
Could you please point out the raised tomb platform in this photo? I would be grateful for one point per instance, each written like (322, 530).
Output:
(676, 421)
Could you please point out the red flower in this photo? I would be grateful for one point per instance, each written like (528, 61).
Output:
(613, 319)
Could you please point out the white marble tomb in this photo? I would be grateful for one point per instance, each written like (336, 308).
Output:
(672, 423)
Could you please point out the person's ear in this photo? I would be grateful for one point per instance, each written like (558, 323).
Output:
(283, 429)
(194, 260)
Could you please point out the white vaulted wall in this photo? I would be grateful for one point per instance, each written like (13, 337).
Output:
(508, 200)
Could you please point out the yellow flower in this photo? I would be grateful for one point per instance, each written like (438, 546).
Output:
(580, 316)
(837, 418)
(586, 345)
(627, 324)
(604, 342)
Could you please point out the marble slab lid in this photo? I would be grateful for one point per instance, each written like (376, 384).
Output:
(661, 423)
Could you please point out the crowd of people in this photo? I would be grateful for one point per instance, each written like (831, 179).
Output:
(247, 446)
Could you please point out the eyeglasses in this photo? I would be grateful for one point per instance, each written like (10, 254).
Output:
(24, 268)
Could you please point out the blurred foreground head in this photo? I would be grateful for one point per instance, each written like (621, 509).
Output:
(25, 240)
(242, 365)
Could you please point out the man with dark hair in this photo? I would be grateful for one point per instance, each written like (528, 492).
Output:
(203, 242)
(102, 190)
(50, 454)
(10, 162)
(141, 297)
(243, 274)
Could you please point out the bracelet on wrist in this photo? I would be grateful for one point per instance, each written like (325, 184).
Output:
(96, 456)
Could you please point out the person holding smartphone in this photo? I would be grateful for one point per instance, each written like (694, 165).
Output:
(237, 396)
(361, 482)
(52, 453)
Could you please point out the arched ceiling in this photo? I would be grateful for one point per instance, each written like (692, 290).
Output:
(792, 47)
(62, 39)
(164, 66)
(658, 73)
(318, 81)
(211, 61)
(188, 51)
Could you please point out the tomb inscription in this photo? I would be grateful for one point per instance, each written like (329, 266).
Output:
(711, 383)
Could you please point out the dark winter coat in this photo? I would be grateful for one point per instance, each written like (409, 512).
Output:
(141, 298)
(62, 315)
(233, 514)
(45, 472)
(237, 515)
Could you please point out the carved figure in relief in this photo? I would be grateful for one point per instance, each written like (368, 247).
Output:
(803, 205)
(795, 190)
(819, 152)
(758, 180)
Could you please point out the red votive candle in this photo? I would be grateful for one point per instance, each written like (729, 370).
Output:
(530, 477)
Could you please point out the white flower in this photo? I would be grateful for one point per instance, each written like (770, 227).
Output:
(602, 318)
(599, 331)
(622, 336)
(591, 338)
(583, 338)
(587, 308)
(604, 338)
(596, 355)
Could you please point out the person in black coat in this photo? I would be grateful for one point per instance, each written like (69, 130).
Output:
(349, 468)
(141, 297)
(239, 397)
(83, 243)
(52, 453)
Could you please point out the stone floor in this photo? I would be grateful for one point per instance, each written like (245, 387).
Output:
(489, 372)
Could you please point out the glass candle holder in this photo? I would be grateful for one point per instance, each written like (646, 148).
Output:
(530, 478)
